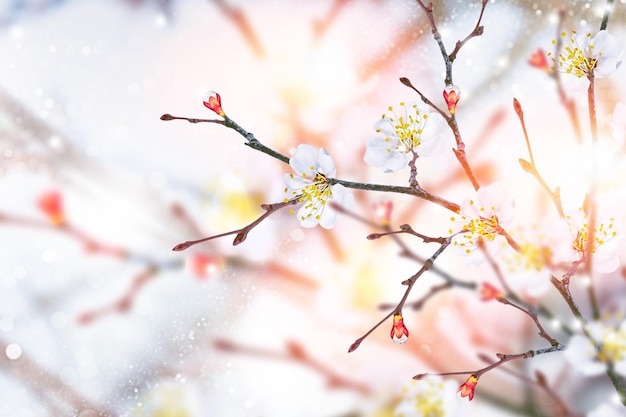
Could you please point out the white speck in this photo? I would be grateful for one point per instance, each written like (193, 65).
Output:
(55, 142)
(86, 50)
(160, 20)
(13, 351)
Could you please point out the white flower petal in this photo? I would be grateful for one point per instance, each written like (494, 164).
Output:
(385, 127)
(328, 218)
(377, 151)
(305, 160)
(326, 165)
(295, 183)
(396, 161)
(433, 141)
(605, 263)
(304, 218)
(342, 196)
(580, 353)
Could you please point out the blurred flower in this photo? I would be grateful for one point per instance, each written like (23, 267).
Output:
(313, 188)
(399, 332)
(382, 212)
(482, 217)
(201, 265)
(430, 397)
(404, 136)
(583, 55)
(467, 388)
(539, 59)
(452, 95)
(213, 101)
(51, 204)
(591, 360)
(604, 261)
(489, 292)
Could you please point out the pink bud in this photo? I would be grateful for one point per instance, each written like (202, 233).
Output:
(213, 101)
(539, 59)
(51, 204)
(452, 95)
(202, 266)
(399, 332)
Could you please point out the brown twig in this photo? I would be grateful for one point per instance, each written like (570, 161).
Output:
(241, 234)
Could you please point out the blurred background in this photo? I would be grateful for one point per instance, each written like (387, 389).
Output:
(98, 316)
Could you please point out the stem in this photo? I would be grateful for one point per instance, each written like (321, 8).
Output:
(533, 316)
(409, 283)
(242, 233)
(255, 144)
(417, 192)
(451, 120)
(607, 14)
(413, 176)
(532, 167)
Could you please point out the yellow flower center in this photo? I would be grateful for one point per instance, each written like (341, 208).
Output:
(476, 229)
(573, 60)
(613, 346)
(602, 234)
(315, 196)
(408, 128)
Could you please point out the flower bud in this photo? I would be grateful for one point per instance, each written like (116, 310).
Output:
(51, 204)
(467, 389)
(489, 292)
(452, 95)
(399, 332)
(213, 101)
(539, 59)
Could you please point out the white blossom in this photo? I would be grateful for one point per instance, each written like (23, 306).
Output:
(413, 132)
(313, 188)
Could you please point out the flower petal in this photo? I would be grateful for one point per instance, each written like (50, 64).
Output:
(295, 183)
(305, 160)
(325, 163)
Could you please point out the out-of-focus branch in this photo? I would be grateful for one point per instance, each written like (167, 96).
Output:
(298, 354)
(44, 383)
(241, 22)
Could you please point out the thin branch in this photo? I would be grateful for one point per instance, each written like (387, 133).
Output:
(410, 282)
(504, 358)
(533, 316)
(531, 167)
(241, 234)
(243, 24)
